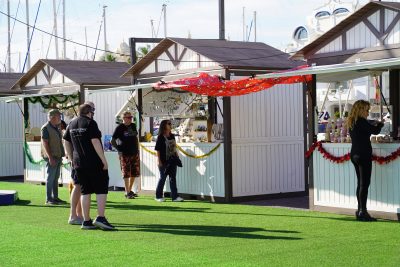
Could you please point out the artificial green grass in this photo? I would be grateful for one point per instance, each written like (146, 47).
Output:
(191, 233)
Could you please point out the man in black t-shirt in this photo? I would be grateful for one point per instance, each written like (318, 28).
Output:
(84, 148)
(125, 140)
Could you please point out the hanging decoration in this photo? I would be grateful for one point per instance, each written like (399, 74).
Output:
(212, 85)
(28, 154)
(206, 155)
(341, 159)
(48, 102)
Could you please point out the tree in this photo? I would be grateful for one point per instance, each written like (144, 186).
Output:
(142, 51)
(108, 57)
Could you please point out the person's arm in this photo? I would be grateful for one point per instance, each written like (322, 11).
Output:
(114, 138)
(159, 163)
(158, 149)
(99, 150)
(113, 142)
(68, 150)
(45, 143)
(371, 128)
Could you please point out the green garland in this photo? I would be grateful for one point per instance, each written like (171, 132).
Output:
(28, 154)
(52, 100)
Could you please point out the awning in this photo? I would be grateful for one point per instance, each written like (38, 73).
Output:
(121, 88)
(341, 72)
(20, 97)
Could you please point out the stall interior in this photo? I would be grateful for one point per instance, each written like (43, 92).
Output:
(188, 112)
(334, 102)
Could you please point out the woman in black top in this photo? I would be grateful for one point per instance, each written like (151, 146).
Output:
(166, 152)
(361, 152)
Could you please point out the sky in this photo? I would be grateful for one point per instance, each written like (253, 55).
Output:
(276, 21)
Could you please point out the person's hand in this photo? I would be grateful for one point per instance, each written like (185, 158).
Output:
(105, 165)
(52, 161)
(160, 164)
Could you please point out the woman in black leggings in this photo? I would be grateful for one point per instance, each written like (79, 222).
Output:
(361, 152)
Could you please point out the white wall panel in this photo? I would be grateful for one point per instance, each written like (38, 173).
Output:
(375, 19)
(334, 46)
(198, 176)
(11, 132)
(268, 141)
(335, 184)
(360, 37)
(107, 105)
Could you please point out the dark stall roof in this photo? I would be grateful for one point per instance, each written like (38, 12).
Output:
(82, 72)
(343, 25)
(228, 54)
(7, 80)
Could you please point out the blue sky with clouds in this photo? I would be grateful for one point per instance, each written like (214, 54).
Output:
(276, 21)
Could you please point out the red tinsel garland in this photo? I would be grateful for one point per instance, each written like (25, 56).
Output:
(380, 160)
(212, 85)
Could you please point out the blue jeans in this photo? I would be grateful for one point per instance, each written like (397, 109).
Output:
(53, 173)
(164, 173)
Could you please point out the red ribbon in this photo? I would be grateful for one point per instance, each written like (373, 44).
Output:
(341, 159)
(212, 85)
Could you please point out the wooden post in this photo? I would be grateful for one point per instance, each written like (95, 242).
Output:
(211, 117)
(311, 88)
(25, 110)
(394, 96)
(228, 145)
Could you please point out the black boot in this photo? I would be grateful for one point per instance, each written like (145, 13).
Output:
(357, 214)
(365, 217)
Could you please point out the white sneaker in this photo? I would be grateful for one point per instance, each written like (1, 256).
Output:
(178, 199)
(77, 221)
(160, 199)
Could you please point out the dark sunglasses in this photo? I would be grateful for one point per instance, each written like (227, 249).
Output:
(128, 117)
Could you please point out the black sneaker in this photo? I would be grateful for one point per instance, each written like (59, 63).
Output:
(88, 225)
(51, 202)
(102, 223)
(60, 201)
(130, 195)
(134, 194)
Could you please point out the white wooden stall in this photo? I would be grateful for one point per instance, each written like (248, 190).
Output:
(11, 134)
(335, 184)
(268, 142)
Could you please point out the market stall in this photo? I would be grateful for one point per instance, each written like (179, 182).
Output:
(338, 57)
(234, 146)
(60, 84)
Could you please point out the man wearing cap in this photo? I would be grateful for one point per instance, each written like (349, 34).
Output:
(52, 152)
(125, 139)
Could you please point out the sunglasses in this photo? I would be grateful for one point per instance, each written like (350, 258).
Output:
(169, 123)
(128, 117)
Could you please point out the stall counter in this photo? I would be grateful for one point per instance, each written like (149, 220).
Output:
(203, 176)
(335, 183)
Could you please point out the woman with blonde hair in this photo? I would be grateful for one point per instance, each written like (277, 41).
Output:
(361, 152)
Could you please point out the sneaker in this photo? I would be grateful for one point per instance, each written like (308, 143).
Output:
(130, 195)
(133, 194)
(59, 201)
(178, 199)
(77, 221)
(88, 225)
(51, 202)
(103, 224)
(160, 199)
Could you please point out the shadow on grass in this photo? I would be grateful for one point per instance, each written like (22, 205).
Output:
(209, 211)
(21, 202)
(209, 231)
(157, 208)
